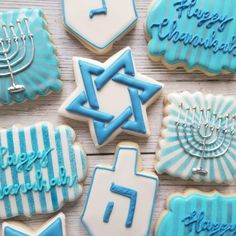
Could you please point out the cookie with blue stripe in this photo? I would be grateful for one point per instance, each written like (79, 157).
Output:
(198, 213)
(41, 168)
(198, 137)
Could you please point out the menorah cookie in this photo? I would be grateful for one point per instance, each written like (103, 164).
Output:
(28, 64)
(121, 198)
(99, 24)
(194, 34)
(198, 213)
(54, 227)
(111, 96)
(40, 169)
(198, 139)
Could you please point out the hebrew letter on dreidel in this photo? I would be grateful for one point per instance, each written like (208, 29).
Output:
(126, 192)
(122, 195)
(99, 11)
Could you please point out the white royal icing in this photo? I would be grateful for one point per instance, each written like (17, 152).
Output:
(101, 30)
(126, 217)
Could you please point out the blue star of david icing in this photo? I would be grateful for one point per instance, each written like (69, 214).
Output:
(111, 96)
(126, 196)
(54, 227)
(98, 24)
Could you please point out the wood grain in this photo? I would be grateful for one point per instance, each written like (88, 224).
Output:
(46, 108)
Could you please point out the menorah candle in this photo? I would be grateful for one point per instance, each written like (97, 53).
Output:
(193, 34)
(198, 137)
(198, 213)
(41, 168)
(28, 63)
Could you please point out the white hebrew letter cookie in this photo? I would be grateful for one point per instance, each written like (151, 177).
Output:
(121, 198)
(99, 23)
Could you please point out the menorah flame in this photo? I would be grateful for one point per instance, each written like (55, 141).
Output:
(204, 134)
(14, 52)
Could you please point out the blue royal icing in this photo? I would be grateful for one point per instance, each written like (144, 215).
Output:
(52, 169)
(132, 195)
(99, 11)
(199, 214)
(86, 102)
(54, 228)
(196, 33)
(41, 75)
(108, 211)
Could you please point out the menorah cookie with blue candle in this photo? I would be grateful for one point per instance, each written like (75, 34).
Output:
(99, 24)
(112, 97)
(121, 197)
(54, 227)
(198, 139)
(41, 168)
(194, 34)
(198, 213)
(28, 63)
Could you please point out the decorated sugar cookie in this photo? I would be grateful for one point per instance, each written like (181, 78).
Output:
(111, 96)
(121, 198)
(98, 24)
(198, 138)
(198, 213)
(41, 168)
(28, 64)
(194, 34)
(54, 227)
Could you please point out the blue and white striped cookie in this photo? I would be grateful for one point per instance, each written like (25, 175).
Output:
(41, 168)
(198, 213)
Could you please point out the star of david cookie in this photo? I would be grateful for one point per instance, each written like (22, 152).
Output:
(54, 227)
(112, 97)
(98, 24)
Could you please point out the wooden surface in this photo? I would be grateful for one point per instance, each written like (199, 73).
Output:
(46, 108)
